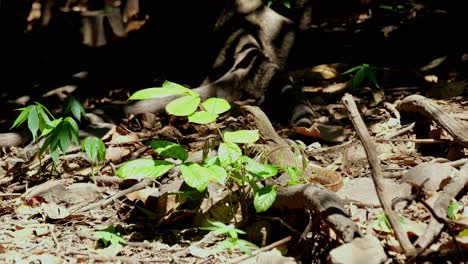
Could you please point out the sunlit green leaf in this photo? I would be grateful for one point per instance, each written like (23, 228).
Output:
(94, 148)
(48, 129)
(168, 89)
(110, 236)
(202, 117)
(294, 173)
(195, 176)
(226, 244)
(33, 121)
(212, 160)
(264, 198)
(183, 106)
(260, 170)
(453, 209)
(144, 168)
(217, 173)
(242, 245)
(22, 117)
(169, 149)
(228, 153)
(216, 105)
(242, 136)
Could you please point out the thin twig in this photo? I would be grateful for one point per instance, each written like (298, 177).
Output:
(399, 132)
(142, 184)
(371, 153)
(260, 250)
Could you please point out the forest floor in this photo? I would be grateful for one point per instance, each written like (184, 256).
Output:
(61, 214)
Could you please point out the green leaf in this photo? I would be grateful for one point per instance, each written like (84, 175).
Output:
(242, 136)
(74, 107)
(294, 173)
(216, 105)
(226, 244)
(33, 121)
(168, 89)
(144, 168)
(72, 127)
(359, 77)
(228, 153)
(242, 245)
(94, 148)
(53, 140)
(176, 86)
(183, 106)
(352, 70)
(54, 154)
(64, 136)
(287, 4)
(264, 199)
(452, 210)
(169, 149)
(217, 173)
(202, 117)
(44, 121)
(22, 117)
(110, 236)
(195, 176)
(212, 160)
(463, 233)
(48, 129)
(259, 170)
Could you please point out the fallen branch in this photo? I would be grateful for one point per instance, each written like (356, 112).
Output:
(377, 177)
(440, 207)
(426, 107)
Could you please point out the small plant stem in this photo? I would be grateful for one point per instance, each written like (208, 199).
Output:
(216, 125)
(92, 173)
(219, 131)
(40, 159)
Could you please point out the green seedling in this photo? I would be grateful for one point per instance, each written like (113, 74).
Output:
(38, 118)
(232, 240)
(95, 149)
(61, 137)
(367, 73)
(362, 73)
(230, 166)
(58, 133)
